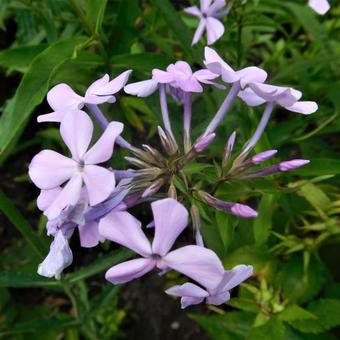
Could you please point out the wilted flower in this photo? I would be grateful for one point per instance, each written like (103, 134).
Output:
(208, 13)
(50, 169)
(192, 294)
(63, 99)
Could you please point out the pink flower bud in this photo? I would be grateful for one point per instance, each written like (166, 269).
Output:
(293, 164)
(263, 156)
(204, 142)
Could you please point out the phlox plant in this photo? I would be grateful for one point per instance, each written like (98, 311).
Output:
(76, 192)
(180, 169)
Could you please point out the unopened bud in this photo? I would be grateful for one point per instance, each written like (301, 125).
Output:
(153, 188)
(229, 148)
(167, 141)
(137, 162)
(196, 222)
(204, 142)
(263, 156)
(172, 192)
(293, 164)
(236, 209)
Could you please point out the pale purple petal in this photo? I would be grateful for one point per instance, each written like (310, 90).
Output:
(193, 10)
(215, 7)
(199, 31)
(205, 4)
(161, 76)
(305, 108)
(198, 263)
(250, 98)
(218, 299)
(188, 301)
(235, 277)
(251, 74)
(97, 100)
(99, 182)
(204, 142)
(106, 87)
(142, 88)
(204, 76)
(102, 150)
(170, 218)
(62, 97)
(129, 270)
(46, 198)
(76, 130)
(218, 66)
(49, 169)
(89, 234)
(59, 257)
(56, 116)
(189, 85)
(187, 289)
(69, 195)
(215, 30)
(121, 227)
(319, 6)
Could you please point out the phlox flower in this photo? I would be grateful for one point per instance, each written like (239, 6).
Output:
(49, 169)
(319, 6)
(208, 13)
(217, 65)
(62, 99)
(192, 294)
(170, 219)
(287, 97)
(179, 76)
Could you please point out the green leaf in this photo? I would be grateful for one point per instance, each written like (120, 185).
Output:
(263, 223)
(15, 280)
(327, 313)
(230, 326)
(176, 24)
(33, 88)
(98, 266)
(19, 58)
(95, 13)
(144, 62)
(295, 312)
(273, 329)
(16, 218)
(315, 196)
(244, 304)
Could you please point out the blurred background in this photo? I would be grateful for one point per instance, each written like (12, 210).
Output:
(293, 244)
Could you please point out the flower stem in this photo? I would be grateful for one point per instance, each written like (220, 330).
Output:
(260, 128)
(103, 122)
(187, 121)
(164, 109)
(224, 108)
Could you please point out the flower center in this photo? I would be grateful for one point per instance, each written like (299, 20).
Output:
(156, 257)
(81, 165)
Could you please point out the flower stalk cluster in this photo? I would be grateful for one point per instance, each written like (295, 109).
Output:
(80, 192)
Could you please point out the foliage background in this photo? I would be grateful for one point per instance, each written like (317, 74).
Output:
(293, 244)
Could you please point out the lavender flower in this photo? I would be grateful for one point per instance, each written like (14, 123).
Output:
(192, 294)
(208, 13)
(63, 99)
(49, 169)
(170, 219)
(319, 6)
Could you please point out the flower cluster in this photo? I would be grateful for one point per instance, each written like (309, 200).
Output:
(79, 191)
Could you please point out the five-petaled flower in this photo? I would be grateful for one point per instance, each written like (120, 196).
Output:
(63, 99)
(170, 219)
(50, 169)
(208, 13)
(192, 294)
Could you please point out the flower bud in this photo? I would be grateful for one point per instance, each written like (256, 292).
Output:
(236, 209)
(293, 164)
(204, 142)
(229, 148)
(153, 188)
(263, 156)
(137, 162)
